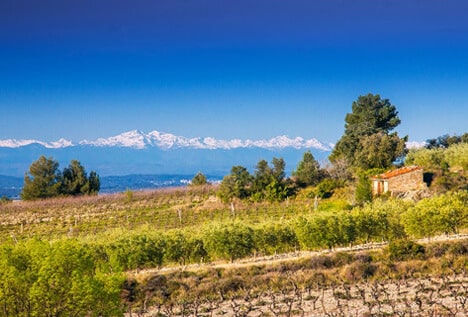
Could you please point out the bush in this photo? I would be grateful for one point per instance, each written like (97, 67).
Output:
(136, 251)
(273, 238)
(326, 231)
(326, 188)
(229, 241)
(60, 279)
(437, 250)
(358, 270)
(401, 250)
(458, 248)
(442, 214)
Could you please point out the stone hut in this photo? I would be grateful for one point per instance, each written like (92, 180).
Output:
(405, 179)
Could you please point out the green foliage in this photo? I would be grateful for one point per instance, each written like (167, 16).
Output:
(266, 183)
(182, 248)
(273, 238)
(94, 184)
(199, 180)
(428, 159)
(367, 141)
(442, 214)
(379, 150)
(380, 220)
(278, 169)
(400, 250)
(326, 188)
(308, 171)
(276, 191)
(326, 231)
(60, 279)
(74, 179)
(447, 167)
(45, 180)
(457, 155)
(229, 241)
(446, 141)
(363, 190)
(263, 175)
(137, 251)
(236, 185)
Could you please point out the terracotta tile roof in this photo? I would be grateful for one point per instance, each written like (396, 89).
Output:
(397, 172)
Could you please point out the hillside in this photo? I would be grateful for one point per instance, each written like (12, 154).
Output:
(162, 239)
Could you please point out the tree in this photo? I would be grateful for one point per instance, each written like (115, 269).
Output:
(278, 169)
(269, 181)
(363, 190)
(370, 115)
(236, 185)
(263, 175)
(436, 215)
(44, 180)
(308, 171)
(94, 183)
(444, 141)
(75, 181)
(199, 179)
(379, 150)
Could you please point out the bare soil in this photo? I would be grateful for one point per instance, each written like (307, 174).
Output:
(416, 296)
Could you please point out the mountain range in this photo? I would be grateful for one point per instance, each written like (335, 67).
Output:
(140, 140)
(139, 153)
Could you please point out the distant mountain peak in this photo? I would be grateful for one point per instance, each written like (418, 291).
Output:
(140, 140)
(13, 143)
(137, 139)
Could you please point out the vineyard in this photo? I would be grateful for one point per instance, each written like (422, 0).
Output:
(342, 284)
(92, 240)
(160, 210)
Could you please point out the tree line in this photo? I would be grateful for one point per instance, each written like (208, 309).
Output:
(46, 180)
(368, 145)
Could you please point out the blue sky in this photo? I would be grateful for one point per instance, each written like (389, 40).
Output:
(229, 69)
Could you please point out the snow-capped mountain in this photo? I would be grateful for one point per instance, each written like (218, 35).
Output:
(137, 152)
(140, 140)
(13, 143)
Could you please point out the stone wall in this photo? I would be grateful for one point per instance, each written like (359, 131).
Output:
(406, 182)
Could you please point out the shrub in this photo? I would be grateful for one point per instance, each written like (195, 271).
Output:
(400, 250)
(60, 279)
(442, 214)
(437, 250)
(136, 251)
(273, 238)
(458, 248)
(358, 270)
(326, 188)
(229, 241)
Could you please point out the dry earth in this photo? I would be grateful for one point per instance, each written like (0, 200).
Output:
(415, 297)
(423, 296)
